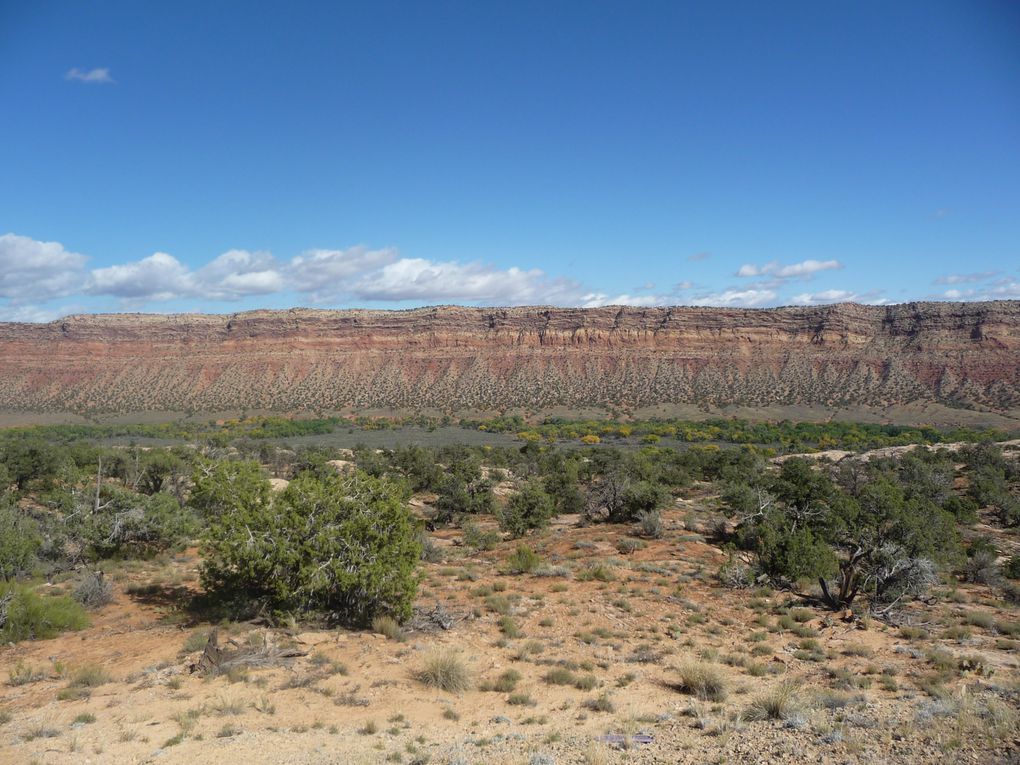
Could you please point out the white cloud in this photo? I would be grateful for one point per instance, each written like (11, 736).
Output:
(238, 273)
(324, 273)
(36, 314)
(825, 296)
(736, 298)
(33, 270)
(157, 277)
(419, 279)
(803, 270)
(233, 275)
(965, 278)
(599, 299)
(1005, 289)
(99, 76)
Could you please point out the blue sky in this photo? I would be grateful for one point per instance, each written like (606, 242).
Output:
(226, 156)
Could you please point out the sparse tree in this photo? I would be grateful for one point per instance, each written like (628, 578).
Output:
(343, 545)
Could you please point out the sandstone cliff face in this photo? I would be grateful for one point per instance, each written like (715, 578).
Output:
(961, 354)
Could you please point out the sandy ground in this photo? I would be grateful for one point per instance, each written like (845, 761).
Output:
(355, 697)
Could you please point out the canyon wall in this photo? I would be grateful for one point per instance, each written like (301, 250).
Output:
(450, 358)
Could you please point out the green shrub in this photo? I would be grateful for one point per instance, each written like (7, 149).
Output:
(345, 545)
(530, 508)
(509, 627)
(19, 541)
(196, 641)
(35, 617)
(127, 523)
(221, 488)
(477, 539)
(524, 560)
(881, 537)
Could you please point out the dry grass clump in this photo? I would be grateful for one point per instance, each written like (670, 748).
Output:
(388, 627)
(83, 681)
(93, 591)
(446, 670)
(560, 676)
(780, 703)
(22, 674)
(701, 680)
(505, 683)
(601, 703)
(597, 571)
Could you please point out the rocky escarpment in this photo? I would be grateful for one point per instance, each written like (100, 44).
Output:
(959, 354)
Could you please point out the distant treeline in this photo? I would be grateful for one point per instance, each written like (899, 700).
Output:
(784, 436)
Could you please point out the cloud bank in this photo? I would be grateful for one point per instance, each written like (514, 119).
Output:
(36, 275)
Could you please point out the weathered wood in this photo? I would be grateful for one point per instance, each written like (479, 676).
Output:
(5, 603)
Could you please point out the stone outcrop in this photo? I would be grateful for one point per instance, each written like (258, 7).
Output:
(450, 358)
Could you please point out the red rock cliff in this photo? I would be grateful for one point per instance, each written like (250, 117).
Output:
(962, 354)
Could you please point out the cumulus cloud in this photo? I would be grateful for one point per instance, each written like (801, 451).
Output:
(157, 277)
(238, 273)
(825, 296)
(736, 298)
(803, 270)
(1005, 289)
(31, 314)
(98, 76)
(599, 299)
(955, 294)
(324, 273)
(33, 270)
(230, 276)
(420, 279)
(34, 274)
(376, 275)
